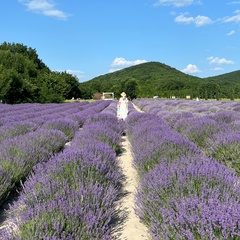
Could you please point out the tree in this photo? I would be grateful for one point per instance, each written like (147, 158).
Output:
(232, 94)
(5, 82)
(18, 49)
(53, 88)
(86, 92)
(131, 89)
(72, 85)
(97, 96)
(25, 78)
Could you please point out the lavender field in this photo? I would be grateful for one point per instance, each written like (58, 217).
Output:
(63, 161)
(187, 156)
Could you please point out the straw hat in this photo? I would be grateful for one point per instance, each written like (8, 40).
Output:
(123, 94)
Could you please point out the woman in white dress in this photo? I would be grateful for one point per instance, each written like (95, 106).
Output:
(122, 106)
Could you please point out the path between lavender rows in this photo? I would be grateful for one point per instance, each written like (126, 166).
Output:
(132, 228)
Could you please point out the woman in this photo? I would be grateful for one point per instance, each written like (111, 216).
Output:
(122, 106)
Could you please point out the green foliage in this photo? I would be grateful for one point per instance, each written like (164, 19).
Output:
(25, 78)
(132, 89)
(153, 78)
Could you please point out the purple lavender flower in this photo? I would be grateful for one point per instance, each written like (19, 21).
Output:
(225, 147)
(73, 195)
(190, 198)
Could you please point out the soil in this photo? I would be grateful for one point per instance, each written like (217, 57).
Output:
(132, 228)
(6, 223)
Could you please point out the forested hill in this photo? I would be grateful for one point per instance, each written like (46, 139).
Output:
(232, 77)
(157, 79)
(25, 78)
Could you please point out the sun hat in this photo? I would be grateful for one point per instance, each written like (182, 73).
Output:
(123, 94)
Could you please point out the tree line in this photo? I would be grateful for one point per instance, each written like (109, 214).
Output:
(24, 78)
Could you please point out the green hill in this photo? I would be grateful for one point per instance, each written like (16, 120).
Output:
(25, 78)
(157, 79)
(228, 84)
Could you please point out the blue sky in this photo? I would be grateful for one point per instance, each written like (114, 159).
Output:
(88, 38)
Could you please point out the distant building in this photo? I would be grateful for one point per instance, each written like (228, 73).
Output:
(108, 96)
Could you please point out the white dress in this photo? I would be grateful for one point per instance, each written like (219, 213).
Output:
(122, 108)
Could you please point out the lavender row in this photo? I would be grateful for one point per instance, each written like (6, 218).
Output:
(152, 139)
(182, 193)
(51, 116)
(218, 135)
(197, 108)
(24, 119)
(39, 113)
(20, 154)
(73, 195)
(33, 145)
(216, 130)
(9, 131)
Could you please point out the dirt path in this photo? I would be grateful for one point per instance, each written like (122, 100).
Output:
(132, 228)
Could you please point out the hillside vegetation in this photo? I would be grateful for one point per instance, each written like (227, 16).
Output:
(157, 79)
(25, 78)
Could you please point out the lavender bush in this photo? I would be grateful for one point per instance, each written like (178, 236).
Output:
(226, 149)
(20, 154)
(67, 126)
(5, 184)
(226, 117)
(81, 190)
(172, 118)
(8, 131)
(73, 195)
(153, 140)
(191, 198)
(105, 128)
(198, 129)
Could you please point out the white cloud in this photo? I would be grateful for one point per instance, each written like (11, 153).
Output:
(230, 33)
(114, 70)
(217, 69)
(234, 2)
(191, 68)
(119, 61)
(45, 7)
(199, 21)
(77, 73)
(219, 61)
(202, 20)
(177, 3)
(235, 18)
(183, 19)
